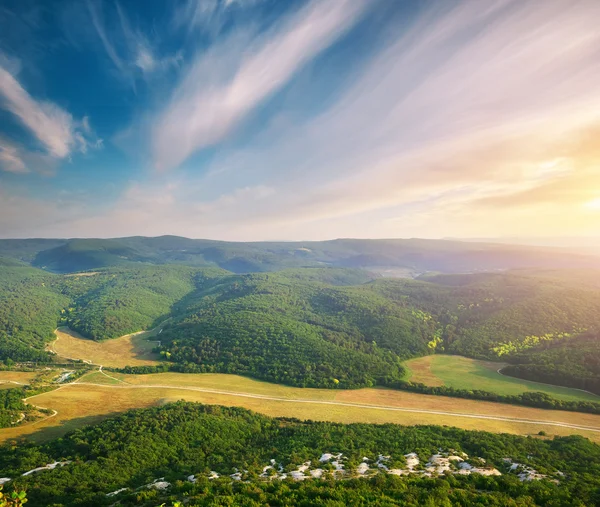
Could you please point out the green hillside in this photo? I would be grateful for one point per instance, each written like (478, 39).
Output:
(286, 328)
(103, 304)
(320, 327)
(572, 363)
(118, 301)
(179, 446)
(497, 315)
(29, 311)
(86, 254)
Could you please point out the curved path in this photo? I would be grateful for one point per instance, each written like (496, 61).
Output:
(37, 421)
(50, 347)
(107, 375)
(344, 404)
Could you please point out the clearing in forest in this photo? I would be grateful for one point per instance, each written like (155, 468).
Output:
(11, 378)
(419, 370)
(129, 350)
(465, 373)
(85, 402)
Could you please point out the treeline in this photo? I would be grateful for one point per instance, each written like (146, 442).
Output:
(182, 439)
(379, 491)
(573, 363)
(529, 399)
(11, 405)
(555, 375)
(12, 351)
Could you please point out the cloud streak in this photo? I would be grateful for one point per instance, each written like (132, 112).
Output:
(128, 48)
(470, 120)
(11, 160)
(213, 98)
(469, 101)
(52, 126)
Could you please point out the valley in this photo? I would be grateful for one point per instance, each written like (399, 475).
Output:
(84, 402)
(298, 346)
(307, 253)
(100, 394)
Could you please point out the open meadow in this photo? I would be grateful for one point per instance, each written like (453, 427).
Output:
(129, 350)
(100, 394)
(10, 379)
(464, 373)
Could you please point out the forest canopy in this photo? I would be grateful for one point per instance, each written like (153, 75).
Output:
(177, 441)
(313, 327)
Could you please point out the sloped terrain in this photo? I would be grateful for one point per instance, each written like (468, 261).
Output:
(319, 327)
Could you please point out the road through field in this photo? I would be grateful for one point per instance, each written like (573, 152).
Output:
(344, 404)
(100, 394)
(96, 396)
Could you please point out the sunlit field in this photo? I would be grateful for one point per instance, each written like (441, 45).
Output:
(10, 379)
(95, 396)
(129, 350)
(464, 373)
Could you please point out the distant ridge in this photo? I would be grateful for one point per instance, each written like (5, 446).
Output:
(414, 255)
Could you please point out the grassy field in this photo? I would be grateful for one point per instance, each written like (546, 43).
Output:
(10, 379)
(129, 350)
(82, 403)
(464, 373)
(419, 370)
(96, 395)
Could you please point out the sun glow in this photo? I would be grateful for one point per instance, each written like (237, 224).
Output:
(594, 204)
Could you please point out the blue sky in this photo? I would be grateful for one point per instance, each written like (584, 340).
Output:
(299, 119)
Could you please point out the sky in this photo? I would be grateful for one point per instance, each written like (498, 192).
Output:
(300, 119)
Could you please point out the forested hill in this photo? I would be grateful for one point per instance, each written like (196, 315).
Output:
(318, 327)
(207, 455)
(408, 255)
(285, 328)
(574, 363)
(102, 304)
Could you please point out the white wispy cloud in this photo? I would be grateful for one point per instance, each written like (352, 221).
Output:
(469, 101)
(208, 16)
(55, 129)
(52, 126)
(216, 95)
(11, 160)
(95, 11)
(470, 110)
(128, 48)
